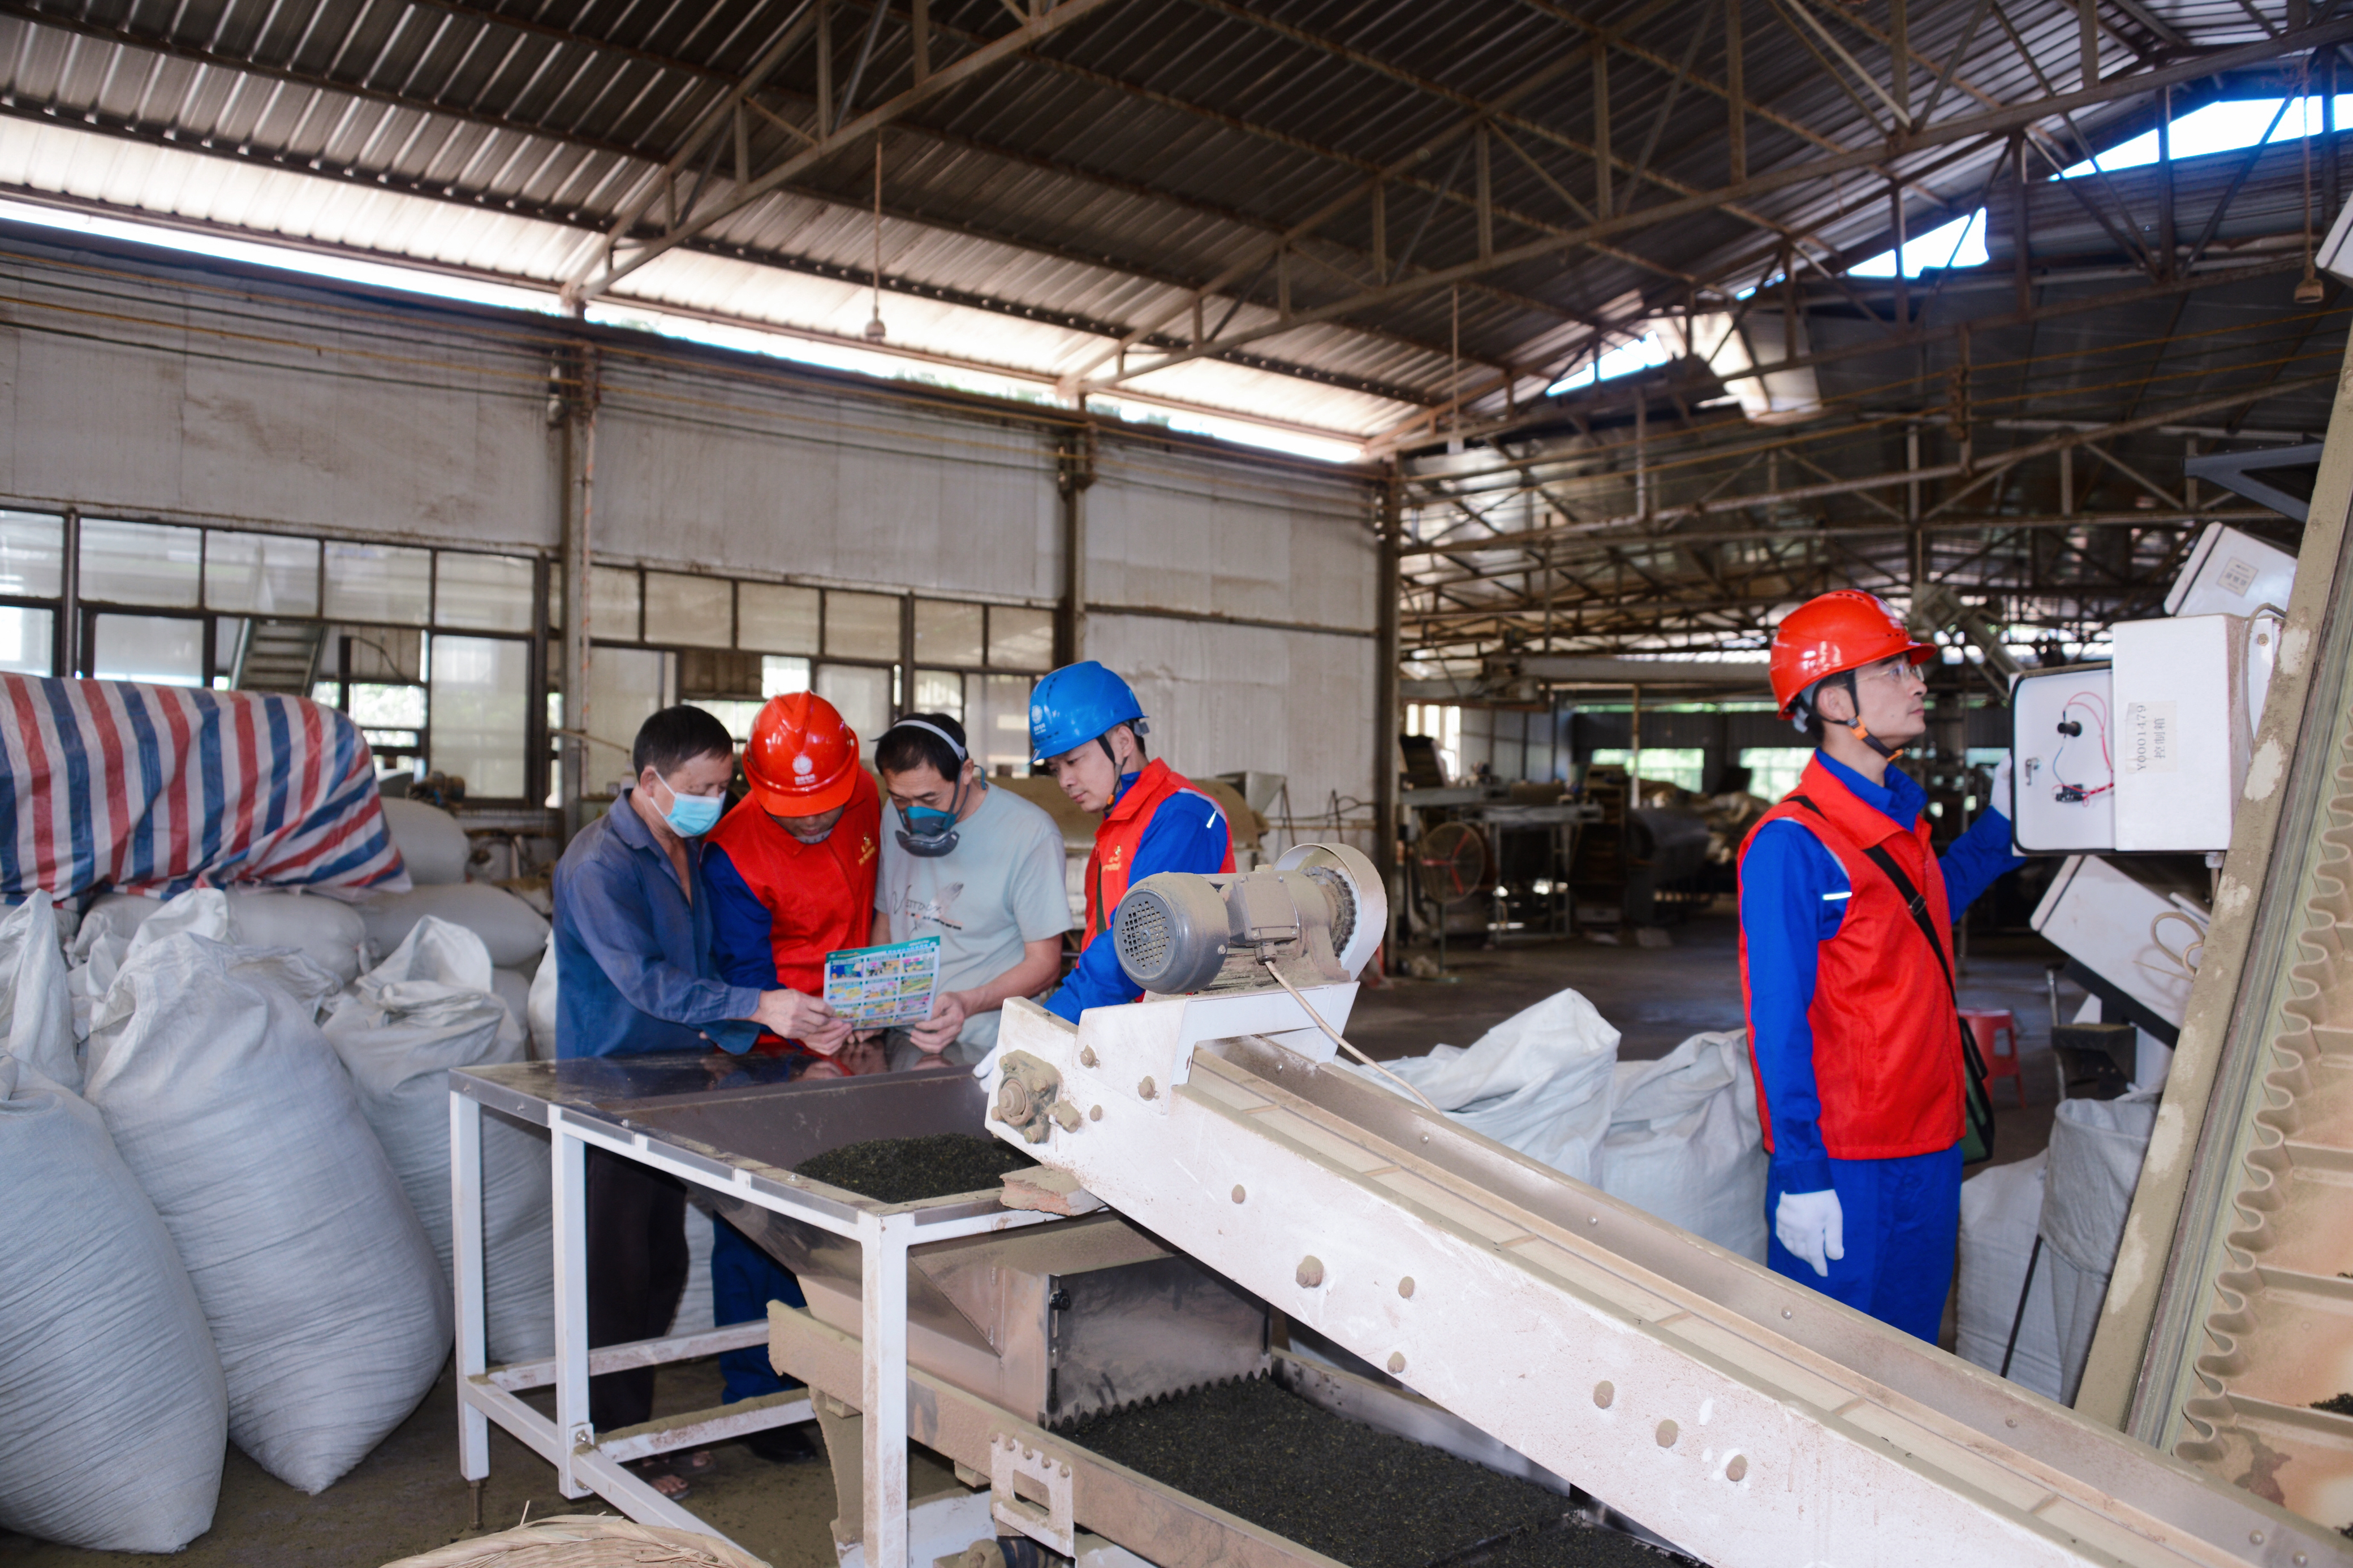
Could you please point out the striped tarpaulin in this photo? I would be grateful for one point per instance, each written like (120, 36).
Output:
(105, 784)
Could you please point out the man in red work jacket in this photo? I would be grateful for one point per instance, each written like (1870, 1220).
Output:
(1851, 1024)
(1086, 729)
(792, 871)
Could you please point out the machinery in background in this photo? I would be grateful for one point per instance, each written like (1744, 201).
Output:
(1530, 836)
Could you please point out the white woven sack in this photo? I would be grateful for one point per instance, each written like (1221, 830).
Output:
(113, 1417)
(431, 844)
(1538, 1082)
(1999, 1208)
(327, 931)
(513, 931)
(35, 998)
(116, 927)
(233, 1111)
(541, 1010)
(400, 1028)
(1686, 1143)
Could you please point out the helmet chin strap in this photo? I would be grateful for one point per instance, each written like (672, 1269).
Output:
(1855, 726)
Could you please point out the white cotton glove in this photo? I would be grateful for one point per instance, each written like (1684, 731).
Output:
(2002, 788)
(1811, 1227)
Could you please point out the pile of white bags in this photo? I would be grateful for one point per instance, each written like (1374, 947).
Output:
(113, 1416)
(1999, 1207)
(230, 1107)
(1678, 1137)
(424, 1010)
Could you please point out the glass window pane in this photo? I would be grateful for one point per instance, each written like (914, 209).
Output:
(25, 644)
(736, 715)
(480, 689)
(387, 707)
(32, 555)
(625, 688)
(613, 603)
(780, 675)
(1020, 638)
(1679, 765)
(1773, 771)
(261, 573)
(996, 721)
(939, 691)
(863, 698)
(162, 650)
(492, 591)
(689, 612)
(391, 582)
(947, 634)
(861, 626)
(139, 562)
(776, 618)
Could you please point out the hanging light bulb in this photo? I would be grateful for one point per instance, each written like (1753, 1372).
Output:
(875, 331)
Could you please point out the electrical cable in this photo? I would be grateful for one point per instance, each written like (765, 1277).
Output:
(1280, 979)
(2076, 794)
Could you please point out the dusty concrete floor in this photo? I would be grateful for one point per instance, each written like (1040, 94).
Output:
(406, 1498)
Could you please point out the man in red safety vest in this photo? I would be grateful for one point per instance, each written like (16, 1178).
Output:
(1845, 958)
(792, 871)
(1087, 728)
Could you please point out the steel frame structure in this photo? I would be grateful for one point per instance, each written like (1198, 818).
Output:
(586, 1461)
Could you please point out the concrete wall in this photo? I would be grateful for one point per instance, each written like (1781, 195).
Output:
(140, 385)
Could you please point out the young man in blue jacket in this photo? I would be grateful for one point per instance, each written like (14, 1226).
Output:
(1851, 1021)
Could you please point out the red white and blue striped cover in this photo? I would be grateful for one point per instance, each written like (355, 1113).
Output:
(105, 784)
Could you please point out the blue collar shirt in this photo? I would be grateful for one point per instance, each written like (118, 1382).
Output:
(633, 955)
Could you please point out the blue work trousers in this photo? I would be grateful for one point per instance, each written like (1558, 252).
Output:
(744, 1280)
(1901, 1220)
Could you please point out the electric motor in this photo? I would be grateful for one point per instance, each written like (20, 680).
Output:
(1318, 914)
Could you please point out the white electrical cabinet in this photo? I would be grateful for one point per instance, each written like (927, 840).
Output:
(2231, 573)
(2183, 729)
(2127, 926)
(2063, 774)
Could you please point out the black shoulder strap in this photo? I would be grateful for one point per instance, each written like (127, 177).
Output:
(1912, 896)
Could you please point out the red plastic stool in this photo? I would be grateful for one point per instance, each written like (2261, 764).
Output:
(1989, 1025)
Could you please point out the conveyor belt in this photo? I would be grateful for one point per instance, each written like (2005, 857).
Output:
(1741, 1415)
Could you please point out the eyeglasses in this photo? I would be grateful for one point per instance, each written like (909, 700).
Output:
(1896, 672)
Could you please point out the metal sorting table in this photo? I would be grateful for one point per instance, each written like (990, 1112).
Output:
(732, 1127)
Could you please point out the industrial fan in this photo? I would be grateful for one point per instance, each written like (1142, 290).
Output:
(1452, 866)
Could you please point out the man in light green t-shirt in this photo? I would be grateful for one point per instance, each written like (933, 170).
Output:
(981, 869)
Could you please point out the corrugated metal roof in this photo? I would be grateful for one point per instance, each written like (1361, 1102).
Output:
(1088, 187)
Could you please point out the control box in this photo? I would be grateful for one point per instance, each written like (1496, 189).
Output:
(2231, 573)
(2184, 727)
(2064, 780)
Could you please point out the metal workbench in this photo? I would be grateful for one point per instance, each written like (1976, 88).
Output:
(731, 1126)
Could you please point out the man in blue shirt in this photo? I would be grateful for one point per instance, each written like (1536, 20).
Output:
(1857, 1049)
(635, 974)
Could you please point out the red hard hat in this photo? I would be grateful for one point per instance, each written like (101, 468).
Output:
(802, 760)
(1833, 634)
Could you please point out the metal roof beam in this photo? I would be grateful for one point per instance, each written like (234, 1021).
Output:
(603, 269)
(1998, 123)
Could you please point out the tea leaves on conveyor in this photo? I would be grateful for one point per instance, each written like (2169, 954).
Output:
(2336, 1403)
(1370, 1500)
(909, 1170)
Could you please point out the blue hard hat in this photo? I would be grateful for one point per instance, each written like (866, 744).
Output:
(1075, 704)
